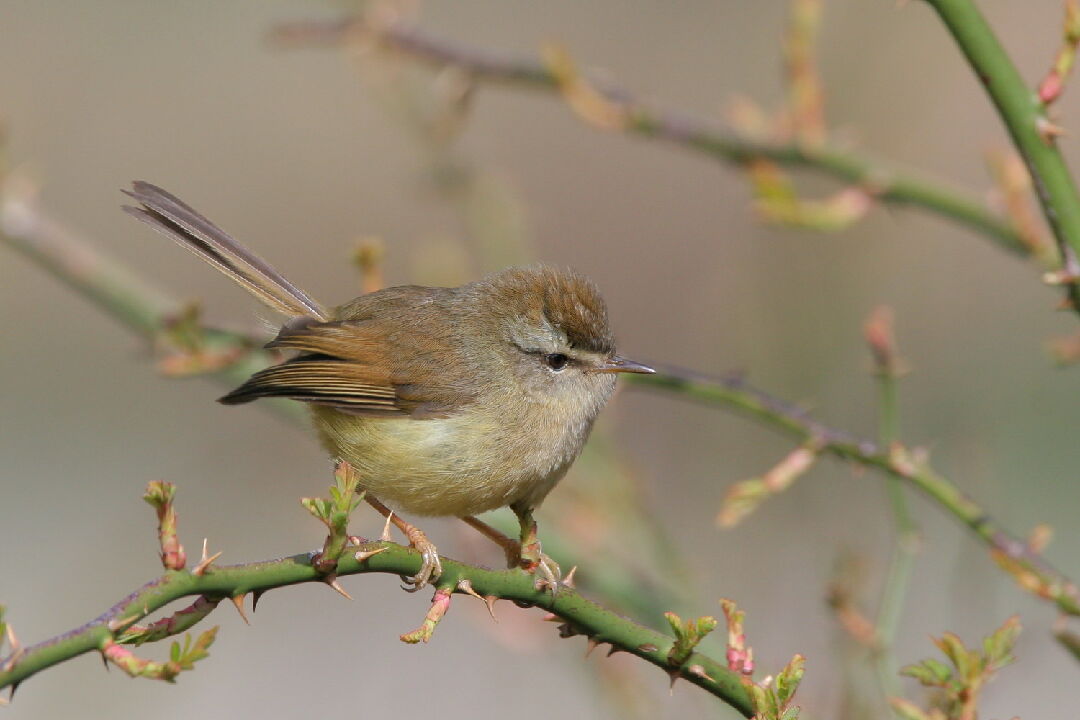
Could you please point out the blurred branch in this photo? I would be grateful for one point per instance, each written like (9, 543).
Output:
(1026, 565)
(212, 583)
(888, 368)
(884, 183)
(1034, 135)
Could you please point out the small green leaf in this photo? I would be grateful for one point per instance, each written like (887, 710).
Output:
(787, 682)
(938, 670)
(761, 698)
(923, 674)
(998, 646)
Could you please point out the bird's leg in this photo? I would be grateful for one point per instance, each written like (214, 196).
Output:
(431, 568)
(530, 558)
(511, 547)
(524, 553)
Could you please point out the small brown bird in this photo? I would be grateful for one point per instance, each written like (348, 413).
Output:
(445, 401)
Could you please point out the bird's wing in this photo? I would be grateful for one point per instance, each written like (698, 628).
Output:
(359, 367)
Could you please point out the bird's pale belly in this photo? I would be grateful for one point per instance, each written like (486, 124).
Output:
(461, 465)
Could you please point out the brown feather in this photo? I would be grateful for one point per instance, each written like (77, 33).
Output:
(172, 217)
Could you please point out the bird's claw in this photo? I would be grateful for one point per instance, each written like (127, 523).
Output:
(547, 572)
(430, 569)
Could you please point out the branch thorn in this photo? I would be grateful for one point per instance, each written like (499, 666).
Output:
(121, 623)
(255, 595)
(593, 643)
(490, 600)
(332, 581)
(385, 537)
(238, 603)
(204, 563)
(465, 586)
(362, 555)
(568, 581)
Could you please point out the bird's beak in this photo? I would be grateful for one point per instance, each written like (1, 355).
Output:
(616, 364)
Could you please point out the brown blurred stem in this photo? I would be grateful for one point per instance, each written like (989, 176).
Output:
(886, 184)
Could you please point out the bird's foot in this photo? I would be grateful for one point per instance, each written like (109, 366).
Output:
(431, 568)
(547, 572)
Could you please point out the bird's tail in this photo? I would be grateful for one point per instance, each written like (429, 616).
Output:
(172, 217)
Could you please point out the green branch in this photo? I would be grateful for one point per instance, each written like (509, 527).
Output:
(883, 182)
(1029, 568)
(583, 617)
(1025, 118)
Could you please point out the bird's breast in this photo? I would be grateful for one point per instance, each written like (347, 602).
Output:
(478, 459)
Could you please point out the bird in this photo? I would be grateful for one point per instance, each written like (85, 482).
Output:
(445, 401)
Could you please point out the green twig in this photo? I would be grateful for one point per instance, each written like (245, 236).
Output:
(1025, 118)
(885, 183)
(899, 461)
(235, 581)
(887, 371)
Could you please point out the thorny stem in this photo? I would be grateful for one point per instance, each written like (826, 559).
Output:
(1025, 118)
(231, 581)
(899, 462)
(885, 183)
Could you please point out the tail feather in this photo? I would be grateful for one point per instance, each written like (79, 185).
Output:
(172, 217)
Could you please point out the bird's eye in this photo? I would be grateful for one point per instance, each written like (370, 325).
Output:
(556, 361)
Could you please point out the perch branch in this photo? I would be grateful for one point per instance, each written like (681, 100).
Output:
(582, 616)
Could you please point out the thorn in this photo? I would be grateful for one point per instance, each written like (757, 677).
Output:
(699, 671)
(13, 660)
(675, 675)
(121, 623)
(362, 555)
(204, 563)
(255, 595)
(385, 537)
(490, 600)
(17, 650)
(332, 581)
(12, 640)
(1048, 130)
(354, 540)
(552, 617)
(465, 586)
(566, 630)
(14, 687)
(647, 648)
(593, 643)
(238, 602)
(614, 649)
(568, 581)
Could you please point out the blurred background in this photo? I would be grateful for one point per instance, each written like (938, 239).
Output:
(301, 153)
